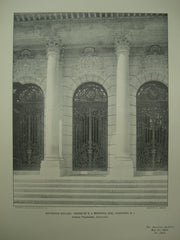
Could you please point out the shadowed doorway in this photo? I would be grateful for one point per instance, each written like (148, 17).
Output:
(152, 127)
(28, 126)
(90, 127)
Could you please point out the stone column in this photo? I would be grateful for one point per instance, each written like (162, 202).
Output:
(50, 164)
(122, 166)
(60, 97)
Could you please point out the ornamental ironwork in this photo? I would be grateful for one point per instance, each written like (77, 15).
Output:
(90, 127)
(152, 127)
(28, 126)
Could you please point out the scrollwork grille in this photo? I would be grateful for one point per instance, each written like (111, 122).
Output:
(28, 126)
(152, 127)
(90, 127)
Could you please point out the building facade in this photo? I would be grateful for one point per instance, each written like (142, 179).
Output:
(90, 94)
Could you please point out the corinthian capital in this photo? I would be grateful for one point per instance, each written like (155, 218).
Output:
(121, 44)
(53, 47)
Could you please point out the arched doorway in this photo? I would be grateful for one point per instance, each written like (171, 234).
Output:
(28, 126)
(90, 127)
(152, 127)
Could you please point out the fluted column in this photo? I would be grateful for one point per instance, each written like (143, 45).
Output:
(122, 165)
(50, 165)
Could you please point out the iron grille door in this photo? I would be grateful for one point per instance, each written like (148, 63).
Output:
(152, 127)
(90, 127)
(28, 127)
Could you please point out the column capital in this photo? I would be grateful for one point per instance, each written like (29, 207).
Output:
(53, 46)
(121, 44)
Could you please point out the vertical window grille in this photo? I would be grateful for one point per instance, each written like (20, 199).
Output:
(152, 127)
(28, 126)
(90, 127)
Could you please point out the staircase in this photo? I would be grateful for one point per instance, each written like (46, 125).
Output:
(33, 192)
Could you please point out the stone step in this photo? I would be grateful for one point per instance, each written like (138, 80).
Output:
(84, 181)
(83, 190)
(89, 192)
(101, 186)
(78, 202)
(89, 196)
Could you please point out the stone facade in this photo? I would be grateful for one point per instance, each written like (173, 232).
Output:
(145, 65)
(83, 67)
(87, 53)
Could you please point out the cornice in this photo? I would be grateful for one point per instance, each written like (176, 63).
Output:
(79, 16)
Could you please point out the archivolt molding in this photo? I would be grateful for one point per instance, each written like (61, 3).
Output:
(137, 81)
(90, 78)
(71, 84)
(91, 68)
(30, 79)
(155, 68)
(135, 84)
(110, 81)
(155, 62)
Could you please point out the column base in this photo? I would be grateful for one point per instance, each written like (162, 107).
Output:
(50, 167)
(121, 168)
(62, 167)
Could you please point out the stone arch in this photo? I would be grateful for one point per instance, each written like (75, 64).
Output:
(69, 86)
(90, 78)
(90, 127)
(28, 126)
(135, 83)
(152, 126)
(41, 82)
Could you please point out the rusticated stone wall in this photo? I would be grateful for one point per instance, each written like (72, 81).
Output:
(80, 65)
(146, 64)
(87, 65)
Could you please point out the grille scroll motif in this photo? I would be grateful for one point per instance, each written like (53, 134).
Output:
(152, 127)
(90, 127)
(28, 126)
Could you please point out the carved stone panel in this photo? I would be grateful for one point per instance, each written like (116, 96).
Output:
(30, 69)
